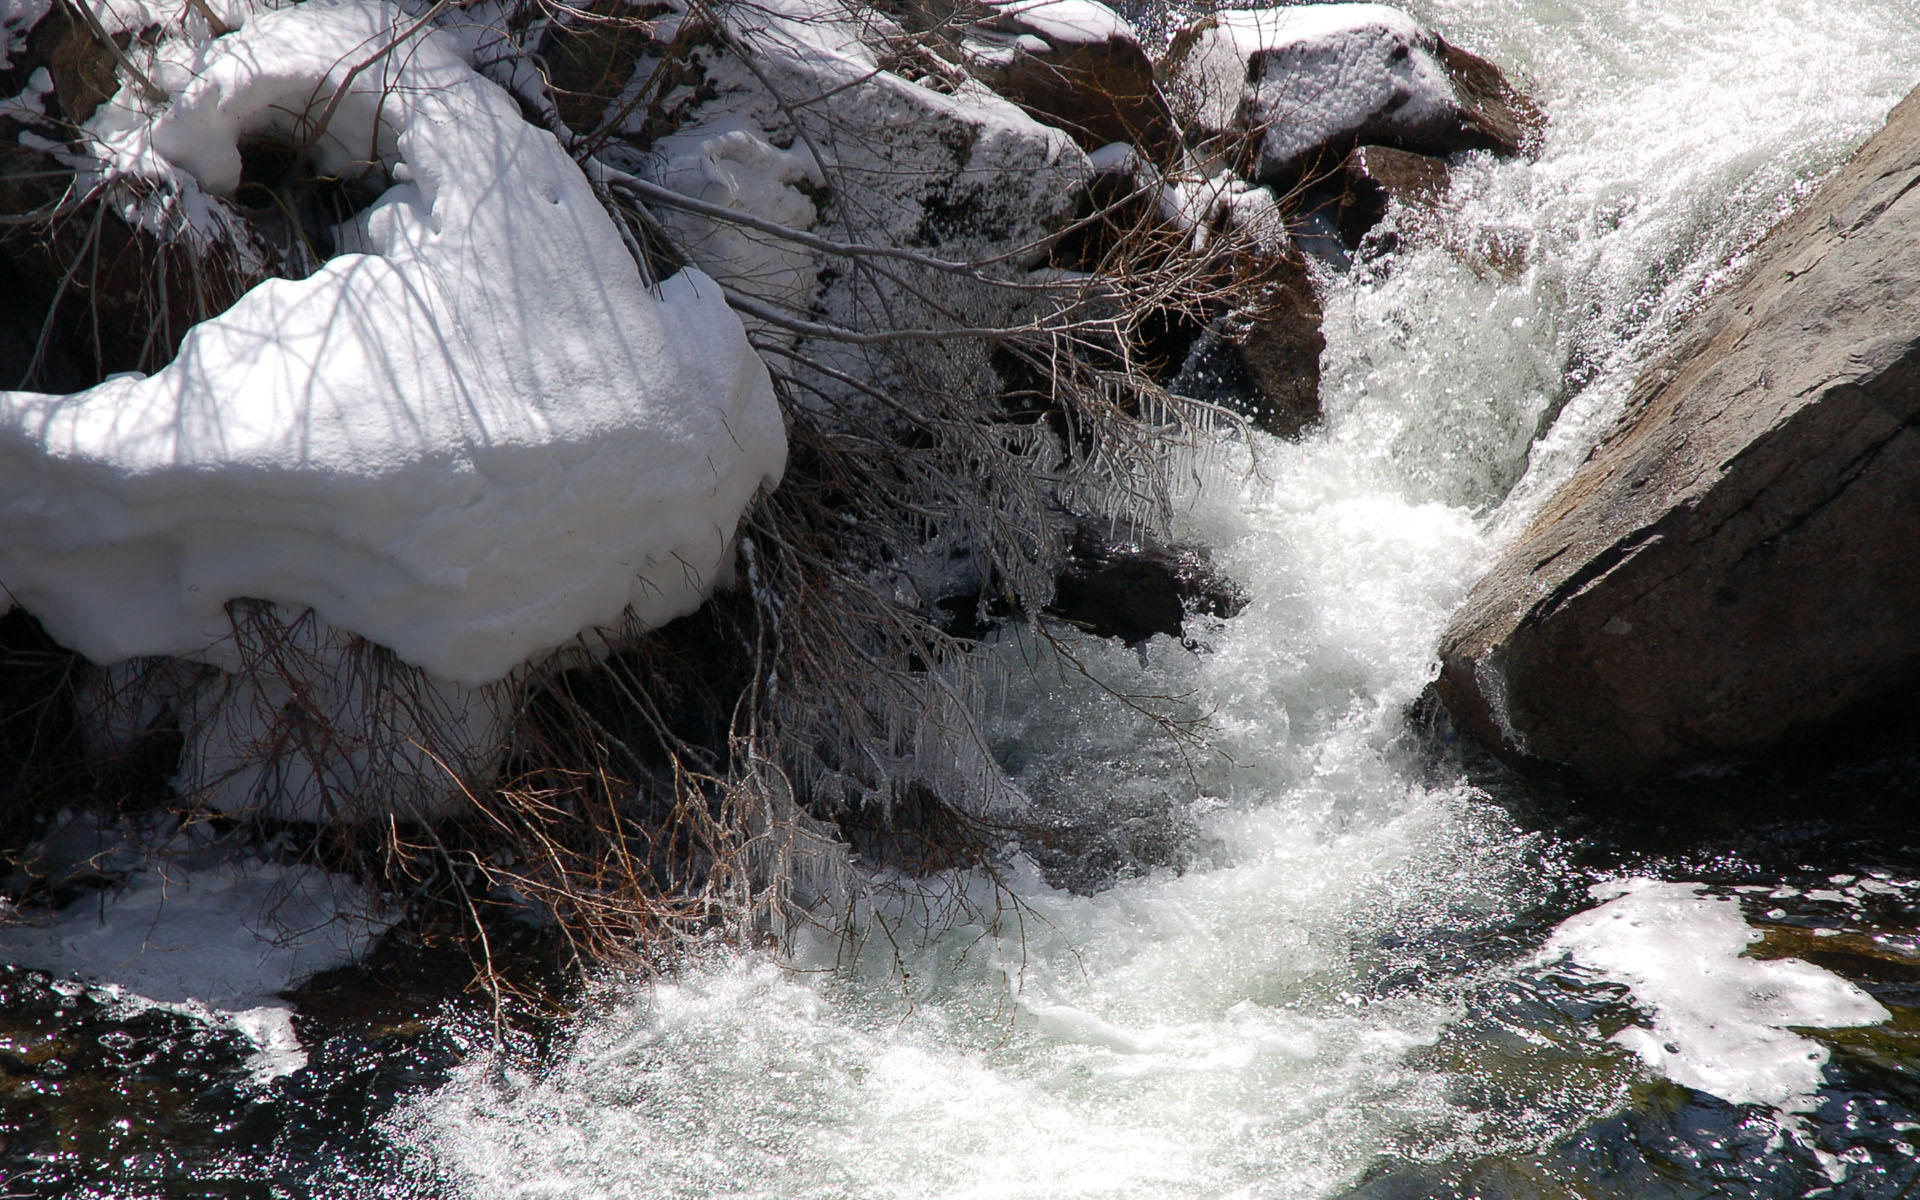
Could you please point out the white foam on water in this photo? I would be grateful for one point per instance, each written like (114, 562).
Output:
(1719, 1021)
(1235, 1028)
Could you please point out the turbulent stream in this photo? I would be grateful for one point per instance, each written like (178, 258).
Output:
(1322, 952)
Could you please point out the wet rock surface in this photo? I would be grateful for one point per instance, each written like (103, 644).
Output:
(1734, 561)
(1374, 177)
(1118, 586)
(1279, 343)
(1133, 589)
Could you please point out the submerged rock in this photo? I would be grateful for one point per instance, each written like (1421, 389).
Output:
(1273, 90)
(1735, 559)
(1134, 589)
(1129, 588)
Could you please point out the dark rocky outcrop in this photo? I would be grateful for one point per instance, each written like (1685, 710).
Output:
(1133, 589)
(1493, 112)
(1278, 342)
(1735, 560)
(1129, 588)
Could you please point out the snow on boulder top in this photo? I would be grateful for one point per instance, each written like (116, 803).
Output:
(475, 439)
(1325, 75)
(1065, 22)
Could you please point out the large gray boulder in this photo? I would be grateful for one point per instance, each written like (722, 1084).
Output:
(1739, 556)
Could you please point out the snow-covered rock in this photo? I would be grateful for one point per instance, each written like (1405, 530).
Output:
(471, 440)
(797, 112)
(1297, 81)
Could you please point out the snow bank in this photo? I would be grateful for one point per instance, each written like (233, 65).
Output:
(471, 440)
(1064, 22)
(1720, 1020)
(1307, 77)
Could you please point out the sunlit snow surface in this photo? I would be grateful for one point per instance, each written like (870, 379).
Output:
(1267, 1021)
(475, 439)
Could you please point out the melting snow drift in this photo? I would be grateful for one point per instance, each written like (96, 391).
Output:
(470, 441)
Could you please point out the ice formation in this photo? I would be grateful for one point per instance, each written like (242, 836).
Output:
(470, 441)
(1720, 1021)
(1311, 76)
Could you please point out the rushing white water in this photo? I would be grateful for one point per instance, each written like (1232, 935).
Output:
(1271, 1013)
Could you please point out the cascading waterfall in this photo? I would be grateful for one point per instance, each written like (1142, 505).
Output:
(1297, 978)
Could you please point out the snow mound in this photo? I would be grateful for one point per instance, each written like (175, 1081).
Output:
(1313, 76)
(469, 441)
(1065, 22)
(1720, 1020)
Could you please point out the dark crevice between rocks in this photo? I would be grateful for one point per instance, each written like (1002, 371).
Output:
(54, 785)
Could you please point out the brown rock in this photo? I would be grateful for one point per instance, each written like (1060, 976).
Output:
(1736, 559)
(1493, 113)
(1372, 177)
(1276, 340)
(81, 68)
(1280, 341)
(1133, 589)
(1101, 90)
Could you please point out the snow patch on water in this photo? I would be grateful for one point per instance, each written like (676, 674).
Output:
(1720, 1021)
(217, 942)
